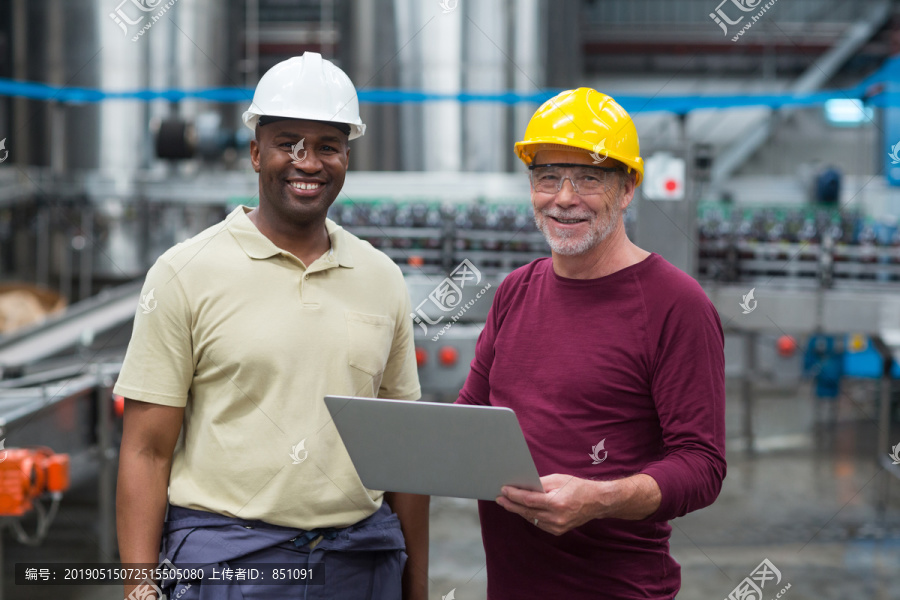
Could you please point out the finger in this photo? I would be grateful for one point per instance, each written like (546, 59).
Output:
(554, 483)
(527, 513)
(525, 497)
(513, 507)
(555, 480)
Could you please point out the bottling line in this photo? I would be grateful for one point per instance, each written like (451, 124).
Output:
(819, 273)
(111, 198)
(97, 189)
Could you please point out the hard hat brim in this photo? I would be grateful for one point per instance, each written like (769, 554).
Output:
(251, 119)
(526, 151)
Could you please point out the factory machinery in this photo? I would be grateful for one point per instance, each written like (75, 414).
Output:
(812, 268)
(818, 273)
(821, 246)
(109, 200)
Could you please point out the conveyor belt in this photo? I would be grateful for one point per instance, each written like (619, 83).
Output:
(803, 310)
(72, 416)
(96, 315)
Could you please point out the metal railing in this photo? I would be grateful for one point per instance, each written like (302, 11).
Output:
(615, 13)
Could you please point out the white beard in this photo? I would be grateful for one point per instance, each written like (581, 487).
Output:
(569, 243)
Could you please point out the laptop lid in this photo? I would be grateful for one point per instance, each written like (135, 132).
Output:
(434, 448)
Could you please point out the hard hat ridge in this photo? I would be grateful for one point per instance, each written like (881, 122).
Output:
(306, 87)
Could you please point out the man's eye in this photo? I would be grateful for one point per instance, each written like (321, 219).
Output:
(547, 177)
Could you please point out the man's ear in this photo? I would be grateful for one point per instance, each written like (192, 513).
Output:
(628, 191)
(254, 154)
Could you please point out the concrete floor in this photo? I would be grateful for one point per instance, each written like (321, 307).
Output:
(809, 507)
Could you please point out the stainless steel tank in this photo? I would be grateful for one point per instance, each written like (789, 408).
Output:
(99, 152)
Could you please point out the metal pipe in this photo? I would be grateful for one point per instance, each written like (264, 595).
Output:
(106, 454)
(57, 139)
(815, 76)
(486, 54)
(251, 36)
(19, 105)
(884, 442)
(327, 28)
(884, 422)
(747, 390)
(42, 225)
(65, 263)
(85, 271)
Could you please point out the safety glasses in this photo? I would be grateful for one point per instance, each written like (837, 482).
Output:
(587, 180)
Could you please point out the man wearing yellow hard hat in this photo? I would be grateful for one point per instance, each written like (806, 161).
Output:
(613, 360)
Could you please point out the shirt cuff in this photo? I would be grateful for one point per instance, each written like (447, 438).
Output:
(667, 480)
(410, 396)
(151, 397)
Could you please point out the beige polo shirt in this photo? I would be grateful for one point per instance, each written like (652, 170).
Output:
(249, 340)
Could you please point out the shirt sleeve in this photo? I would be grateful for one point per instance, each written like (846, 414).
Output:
(688, 388)
(477, 389)
(400, 380)
(159, 363)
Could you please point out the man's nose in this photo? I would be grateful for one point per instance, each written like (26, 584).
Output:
(310, 164)
(566, 196)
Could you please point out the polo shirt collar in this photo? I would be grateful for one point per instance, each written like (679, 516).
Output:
(258, 246)
(339, 247)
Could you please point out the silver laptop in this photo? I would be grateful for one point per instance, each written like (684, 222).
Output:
(434, 448)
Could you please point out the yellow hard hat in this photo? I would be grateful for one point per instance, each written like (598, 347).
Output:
(585, 119)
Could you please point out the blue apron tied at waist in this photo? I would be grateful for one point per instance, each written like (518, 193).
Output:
(328, 533)
(238, 537)
(204, 538)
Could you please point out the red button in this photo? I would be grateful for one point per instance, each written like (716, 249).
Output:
(448, 356)
(421, 357)
(786, 346)
(118, 405)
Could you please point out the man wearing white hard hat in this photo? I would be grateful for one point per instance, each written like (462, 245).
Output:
(241, 332)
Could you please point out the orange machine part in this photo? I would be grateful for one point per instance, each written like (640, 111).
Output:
(57, 472)
(26, 473)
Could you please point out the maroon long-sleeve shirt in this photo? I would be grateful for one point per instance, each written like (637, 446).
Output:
(608, 377)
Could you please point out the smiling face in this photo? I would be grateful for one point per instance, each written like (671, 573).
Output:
(574, 224)
(301, 192)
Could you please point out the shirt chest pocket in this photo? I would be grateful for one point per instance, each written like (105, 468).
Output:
(370, 338)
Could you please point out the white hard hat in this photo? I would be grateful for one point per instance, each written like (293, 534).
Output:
(306, 87)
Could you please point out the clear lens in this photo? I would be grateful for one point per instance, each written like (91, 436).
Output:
(586, 180)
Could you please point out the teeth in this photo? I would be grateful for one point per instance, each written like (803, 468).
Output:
(299, 185)
(567, 221)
